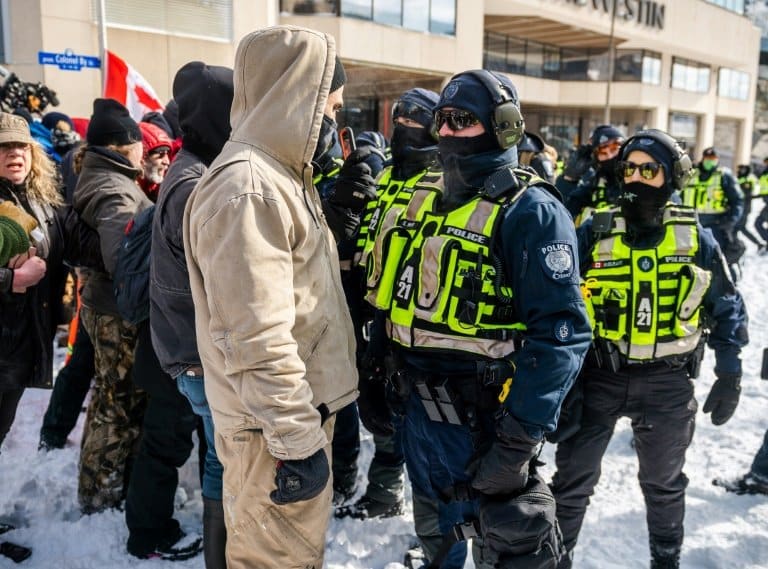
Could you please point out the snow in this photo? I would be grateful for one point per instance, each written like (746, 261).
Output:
(38, 490)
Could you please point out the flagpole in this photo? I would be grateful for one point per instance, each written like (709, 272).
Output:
(103, 45)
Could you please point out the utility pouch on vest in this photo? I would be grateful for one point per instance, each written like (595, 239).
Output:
(608, 356)
(694, 283)
(381, 275)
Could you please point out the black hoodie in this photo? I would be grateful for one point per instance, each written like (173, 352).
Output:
(204, 96)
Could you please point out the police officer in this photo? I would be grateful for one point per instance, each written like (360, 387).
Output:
(652, 279)
(715, 194)
(600, 185)
(534, 152)
(413, 151)
(475, 276)
(750, 187)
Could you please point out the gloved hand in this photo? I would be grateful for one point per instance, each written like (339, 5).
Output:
(375, 412)
(723, 397)
(343, 222)
(355, 185)
(504, 467)
(299, 480)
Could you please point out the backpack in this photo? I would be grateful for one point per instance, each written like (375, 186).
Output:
(131, 275)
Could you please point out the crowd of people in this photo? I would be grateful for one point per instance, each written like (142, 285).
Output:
(457, 289)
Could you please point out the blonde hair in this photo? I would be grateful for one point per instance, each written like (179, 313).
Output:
(41, 180)
(77, 160)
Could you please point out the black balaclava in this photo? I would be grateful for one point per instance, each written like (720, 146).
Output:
(641, 204)
(204, 96)
(328, 138)
(468, 161)
(414, 149)
(605, 133)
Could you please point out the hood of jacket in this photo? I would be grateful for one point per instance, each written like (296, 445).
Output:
(279, 107)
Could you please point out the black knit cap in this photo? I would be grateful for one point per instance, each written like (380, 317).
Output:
(339, 75)
(111, 124)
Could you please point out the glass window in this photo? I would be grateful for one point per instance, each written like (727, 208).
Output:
(515, 56)
(628, 65)
(690, 75)
(308, 6)
(357, 9)
(599, 62)
(551, 69)
(651, 69)
(534, 59)
(416, 15)
(388, 12)
(733, 84)
(209, 19)
(733, 5)
(442, 17)
(495, 52)
(574, 64)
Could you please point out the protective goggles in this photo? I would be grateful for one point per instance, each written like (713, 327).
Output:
(609, 147)
(648, 170)
(455, 119)
(412, 111)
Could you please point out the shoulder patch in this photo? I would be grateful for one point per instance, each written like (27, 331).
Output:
(563, 330)
(557, 261)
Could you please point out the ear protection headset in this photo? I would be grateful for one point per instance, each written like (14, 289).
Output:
(507, 120)
(681, 162)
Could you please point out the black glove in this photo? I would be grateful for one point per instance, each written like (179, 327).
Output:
(375, 412)
(504, 467)
(342, 221)
(355, 185)
(723, 397)
(299, 480)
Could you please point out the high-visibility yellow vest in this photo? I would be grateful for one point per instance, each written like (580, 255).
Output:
(763, 185)
(435, 275)
(706, 196)
(648, 301)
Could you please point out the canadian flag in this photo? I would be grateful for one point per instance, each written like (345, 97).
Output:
(126, 85)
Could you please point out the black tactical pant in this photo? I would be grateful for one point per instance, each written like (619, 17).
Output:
(165, 446)
(69, 391)
(660, 403)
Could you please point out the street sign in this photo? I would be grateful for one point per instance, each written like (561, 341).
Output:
(68, 61)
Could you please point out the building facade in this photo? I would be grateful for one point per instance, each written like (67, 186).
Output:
(670, 64)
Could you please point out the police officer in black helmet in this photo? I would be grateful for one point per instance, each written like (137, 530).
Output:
(658, 289)
(476, 276)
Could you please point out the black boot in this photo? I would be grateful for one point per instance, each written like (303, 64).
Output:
(665, 556)
(214, 534)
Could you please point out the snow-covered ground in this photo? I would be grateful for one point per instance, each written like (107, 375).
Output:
(724, 531)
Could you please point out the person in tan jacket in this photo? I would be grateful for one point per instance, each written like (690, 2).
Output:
(273, 329)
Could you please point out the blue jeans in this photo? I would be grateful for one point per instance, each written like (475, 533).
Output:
(192, 388)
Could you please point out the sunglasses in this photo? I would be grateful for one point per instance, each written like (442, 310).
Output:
(412, 111)
(456, 120)
(612, 146)
(648, 170)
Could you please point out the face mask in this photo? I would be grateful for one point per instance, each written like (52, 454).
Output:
(325, 140)
(607, 168)
(406, 138)
(709, 164)
(643, 205)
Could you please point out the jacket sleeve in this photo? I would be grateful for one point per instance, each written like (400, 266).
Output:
(581, 197)
(735, 198)
(540, 254)
(244, 252)
(82, 247)
(723, 306)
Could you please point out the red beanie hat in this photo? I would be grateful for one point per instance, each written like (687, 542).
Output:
(153, 137)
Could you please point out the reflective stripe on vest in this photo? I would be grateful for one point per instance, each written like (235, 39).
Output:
(648, 301)
(390, 193)
(706, 197)
(763, 185)
(434, 274)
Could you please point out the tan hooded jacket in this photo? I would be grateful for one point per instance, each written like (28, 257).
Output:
(273, 329)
